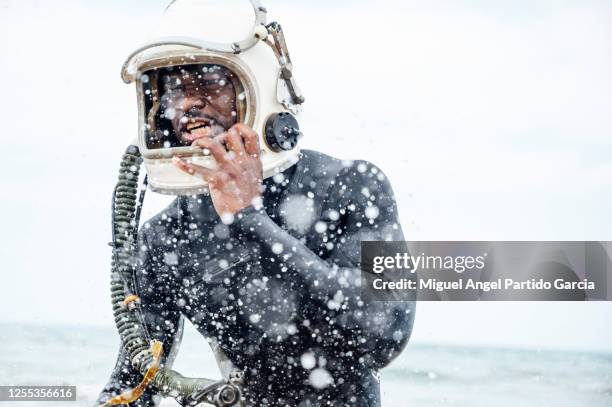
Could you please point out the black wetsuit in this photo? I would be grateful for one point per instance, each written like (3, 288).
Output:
(279, 287)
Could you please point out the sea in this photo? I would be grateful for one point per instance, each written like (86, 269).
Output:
(424, 375)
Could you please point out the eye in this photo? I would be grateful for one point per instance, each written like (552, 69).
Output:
(214, 81)
(213, 84)
(208, 83)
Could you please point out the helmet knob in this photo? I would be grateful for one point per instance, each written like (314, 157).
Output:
(282, 132)
(261, 32)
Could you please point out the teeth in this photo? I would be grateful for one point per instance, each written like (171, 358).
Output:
(195, 125)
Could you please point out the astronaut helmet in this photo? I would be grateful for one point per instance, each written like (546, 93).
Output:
(211, 64)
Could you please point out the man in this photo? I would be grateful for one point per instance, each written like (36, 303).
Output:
(266, 267)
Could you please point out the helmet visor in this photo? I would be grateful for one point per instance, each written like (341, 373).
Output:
(185, 102)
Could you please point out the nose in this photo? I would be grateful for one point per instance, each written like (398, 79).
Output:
(192, 104)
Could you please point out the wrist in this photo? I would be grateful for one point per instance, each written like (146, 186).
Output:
(245, 221)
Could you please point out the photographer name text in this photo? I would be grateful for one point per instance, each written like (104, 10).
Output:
(471, 284)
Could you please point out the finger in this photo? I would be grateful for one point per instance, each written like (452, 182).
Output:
(251, 139)
(191, 137)
(216, 149)
(194, 169)
(233, 141)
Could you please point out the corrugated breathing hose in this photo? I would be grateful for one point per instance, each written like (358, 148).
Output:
(145, 354)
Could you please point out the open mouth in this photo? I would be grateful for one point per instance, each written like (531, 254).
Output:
(198, 128)
(193, 126)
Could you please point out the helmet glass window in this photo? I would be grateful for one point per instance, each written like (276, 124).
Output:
(186, 102)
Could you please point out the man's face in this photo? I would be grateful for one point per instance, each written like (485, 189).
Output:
(200, 101)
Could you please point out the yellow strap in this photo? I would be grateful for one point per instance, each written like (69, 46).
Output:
(134, 394)
(130, 298)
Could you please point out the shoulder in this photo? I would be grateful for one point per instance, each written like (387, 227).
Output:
(358, 200)
(320, 165)
(343, 186)
(317, 166)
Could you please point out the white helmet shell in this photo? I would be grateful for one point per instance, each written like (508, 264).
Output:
(232, 34)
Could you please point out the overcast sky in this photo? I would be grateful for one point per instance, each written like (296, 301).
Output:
(493, 121)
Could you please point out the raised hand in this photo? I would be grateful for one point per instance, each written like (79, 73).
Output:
(237, 181)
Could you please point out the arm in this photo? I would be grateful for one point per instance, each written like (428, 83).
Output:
(362, 207)
(376, 331)
(162, 321)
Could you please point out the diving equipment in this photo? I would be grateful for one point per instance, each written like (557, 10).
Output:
(144, 352)
(201, 48)
(263, 325)
(266, 310)
(236, 40)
